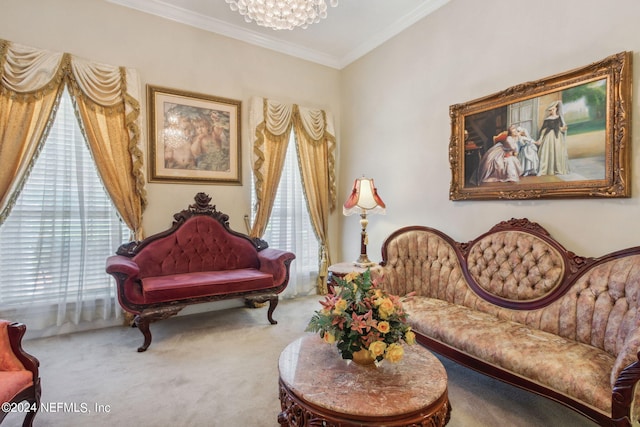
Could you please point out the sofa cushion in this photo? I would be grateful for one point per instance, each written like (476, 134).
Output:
(201, 284)
(540, 356)
(13, 382)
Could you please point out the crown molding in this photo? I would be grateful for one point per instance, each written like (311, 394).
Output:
(208, 23)
(391, 31)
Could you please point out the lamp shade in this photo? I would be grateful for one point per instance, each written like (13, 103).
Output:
(363, 199)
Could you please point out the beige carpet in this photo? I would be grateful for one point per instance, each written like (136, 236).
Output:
(220, 369)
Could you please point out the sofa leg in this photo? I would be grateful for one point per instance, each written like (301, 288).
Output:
(142, 323)
(273, 302)
(256, 301)
(149, 316)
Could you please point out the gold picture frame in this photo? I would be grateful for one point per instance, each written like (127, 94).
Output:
(193, 138)
(565, 136)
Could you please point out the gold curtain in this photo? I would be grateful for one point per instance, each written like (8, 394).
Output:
(315, 147)
(30, 85)
(100, 94)
(270, 149)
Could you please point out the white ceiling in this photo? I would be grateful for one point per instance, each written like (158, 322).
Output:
(351, 30)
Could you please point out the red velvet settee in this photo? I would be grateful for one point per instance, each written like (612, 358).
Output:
(199, 259)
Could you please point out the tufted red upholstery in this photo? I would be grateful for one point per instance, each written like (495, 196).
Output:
(201, 244)
(199, 259)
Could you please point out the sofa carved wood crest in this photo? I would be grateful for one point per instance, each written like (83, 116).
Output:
(199, 259)
(516, 305)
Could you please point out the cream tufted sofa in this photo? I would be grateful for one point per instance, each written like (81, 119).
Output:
(516, 305)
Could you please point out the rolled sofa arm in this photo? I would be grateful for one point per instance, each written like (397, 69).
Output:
(123, 265)
(126, 272)
(276, 262)
(624, 377)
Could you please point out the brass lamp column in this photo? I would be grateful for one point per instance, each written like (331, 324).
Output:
(363, 199)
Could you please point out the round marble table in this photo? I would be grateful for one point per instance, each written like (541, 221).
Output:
(319, 388)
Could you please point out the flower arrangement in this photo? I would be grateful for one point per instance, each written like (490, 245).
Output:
(360, 316)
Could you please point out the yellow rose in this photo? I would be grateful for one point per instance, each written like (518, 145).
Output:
(386, 308)
(329, 338)
(410, 337)
(383, 327)
(341, 306)
(377, 348)
(394, 352)
(349, 277)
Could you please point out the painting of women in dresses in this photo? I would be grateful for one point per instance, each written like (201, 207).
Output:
(566, 136)
(554, 158)
(527, 153)
(500, 163)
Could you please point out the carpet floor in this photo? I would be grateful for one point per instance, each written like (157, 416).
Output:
(220, 369)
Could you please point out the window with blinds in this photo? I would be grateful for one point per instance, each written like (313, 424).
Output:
(54, 244)
(290, 228)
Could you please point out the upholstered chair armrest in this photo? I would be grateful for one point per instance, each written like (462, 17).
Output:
(123, 265)
(276, 262)
(12, 355)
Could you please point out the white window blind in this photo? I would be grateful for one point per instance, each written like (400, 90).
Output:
(54, 244)
(290, 228)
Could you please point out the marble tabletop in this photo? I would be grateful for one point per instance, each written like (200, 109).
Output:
(316, 374)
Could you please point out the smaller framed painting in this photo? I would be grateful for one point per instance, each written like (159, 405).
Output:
(193, 138)
(565, 136)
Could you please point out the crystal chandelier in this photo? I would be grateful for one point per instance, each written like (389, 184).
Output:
(282, 14)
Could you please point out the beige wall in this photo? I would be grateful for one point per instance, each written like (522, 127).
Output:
(396, 125)
(391, 106)
(177, 56)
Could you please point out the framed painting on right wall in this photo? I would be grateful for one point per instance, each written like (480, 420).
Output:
(568, 135)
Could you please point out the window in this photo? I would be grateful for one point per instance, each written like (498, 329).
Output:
(290, 228)
(54, 244)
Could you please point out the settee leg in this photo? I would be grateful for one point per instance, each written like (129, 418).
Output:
(145, 318)
(142, 323)
(256, 301)
(273, 302)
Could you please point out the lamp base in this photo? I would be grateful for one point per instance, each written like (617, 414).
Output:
(364, 262)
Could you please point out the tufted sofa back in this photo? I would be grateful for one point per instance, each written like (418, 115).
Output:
(521, 276)
(422, 261)
(200, 244)
(514, 265)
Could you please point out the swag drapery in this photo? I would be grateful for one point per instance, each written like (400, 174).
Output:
(271, 123)
(107, 99)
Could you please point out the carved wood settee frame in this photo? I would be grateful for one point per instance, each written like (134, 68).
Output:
(123, 268)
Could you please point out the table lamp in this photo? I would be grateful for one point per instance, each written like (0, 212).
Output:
(362, 200)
